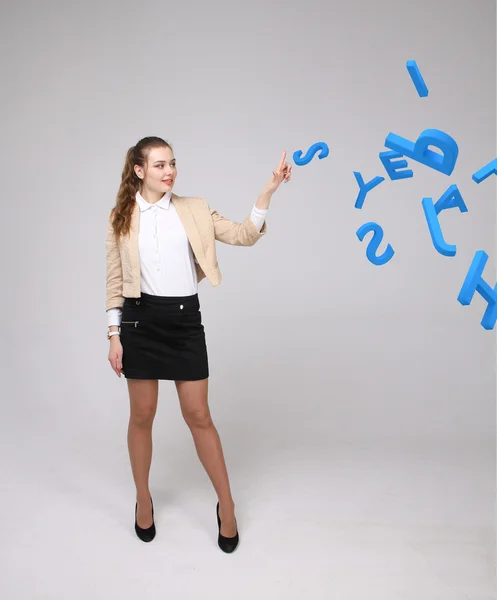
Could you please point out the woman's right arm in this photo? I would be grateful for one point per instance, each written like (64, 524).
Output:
(114, 270)
(114, 298)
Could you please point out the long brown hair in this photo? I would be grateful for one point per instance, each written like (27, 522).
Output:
(130, 182)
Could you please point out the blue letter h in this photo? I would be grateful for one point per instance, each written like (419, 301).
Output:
(474, 283)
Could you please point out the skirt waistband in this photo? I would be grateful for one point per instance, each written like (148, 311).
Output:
(153, 300)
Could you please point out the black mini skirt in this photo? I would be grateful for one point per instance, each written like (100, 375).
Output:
(163, 338)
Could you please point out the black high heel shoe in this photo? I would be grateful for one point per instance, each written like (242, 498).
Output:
(227, 544)
(148, 534)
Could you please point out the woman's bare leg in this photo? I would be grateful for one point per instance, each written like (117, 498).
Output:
(143, 394)
(194, 407)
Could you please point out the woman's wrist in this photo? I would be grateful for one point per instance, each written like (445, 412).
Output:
(113, 331)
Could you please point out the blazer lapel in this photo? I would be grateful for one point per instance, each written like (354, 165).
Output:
(187, 217)
(134, 228)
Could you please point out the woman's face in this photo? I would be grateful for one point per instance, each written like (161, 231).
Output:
(161, 170)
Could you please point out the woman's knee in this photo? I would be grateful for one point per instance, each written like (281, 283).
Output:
(143, 418)
(198, 419)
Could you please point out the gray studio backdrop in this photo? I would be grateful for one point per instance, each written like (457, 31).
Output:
(310, 345)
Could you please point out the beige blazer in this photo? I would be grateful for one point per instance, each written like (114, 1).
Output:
(203, 226)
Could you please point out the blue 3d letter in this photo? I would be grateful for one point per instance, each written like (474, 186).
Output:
(450, 199)
(364, 188)
(474, 283)
(486, 171)
(420, 151)
(297, 155)
(417, 78)
(391, 167)
(374, 243)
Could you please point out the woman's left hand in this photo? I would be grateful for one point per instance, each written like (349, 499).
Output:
(283, 172)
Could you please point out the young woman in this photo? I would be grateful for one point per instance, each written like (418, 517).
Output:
(159, 247)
